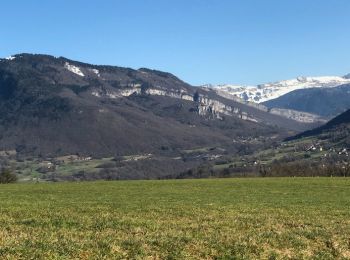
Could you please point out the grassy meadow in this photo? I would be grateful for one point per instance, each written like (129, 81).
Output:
(261, 218)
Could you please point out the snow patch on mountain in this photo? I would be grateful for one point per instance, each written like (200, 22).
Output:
(96, 71)
(10, 58)
(268, 91)
(74, 69)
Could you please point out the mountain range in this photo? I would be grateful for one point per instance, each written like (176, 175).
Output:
(53, 106)
(268, 91)
(323, 97)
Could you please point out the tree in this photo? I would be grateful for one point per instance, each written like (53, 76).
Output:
(263, 171)
(6, 176)
(196, 97)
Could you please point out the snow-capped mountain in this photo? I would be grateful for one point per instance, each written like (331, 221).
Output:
(268, 91)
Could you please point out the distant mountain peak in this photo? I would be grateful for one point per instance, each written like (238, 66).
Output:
(269, 91)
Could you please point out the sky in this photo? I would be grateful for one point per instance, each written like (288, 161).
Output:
(200, 41)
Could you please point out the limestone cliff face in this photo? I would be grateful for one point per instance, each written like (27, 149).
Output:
(216, 108)
(206, 106)
(297, 115)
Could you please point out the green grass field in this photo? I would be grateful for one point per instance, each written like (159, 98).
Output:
(275, 218)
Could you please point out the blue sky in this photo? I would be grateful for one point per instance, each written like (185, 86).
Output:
(200, 41)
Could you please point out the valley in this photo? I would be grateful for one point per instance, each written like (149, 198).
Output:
(323, 151)
(214, 130)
